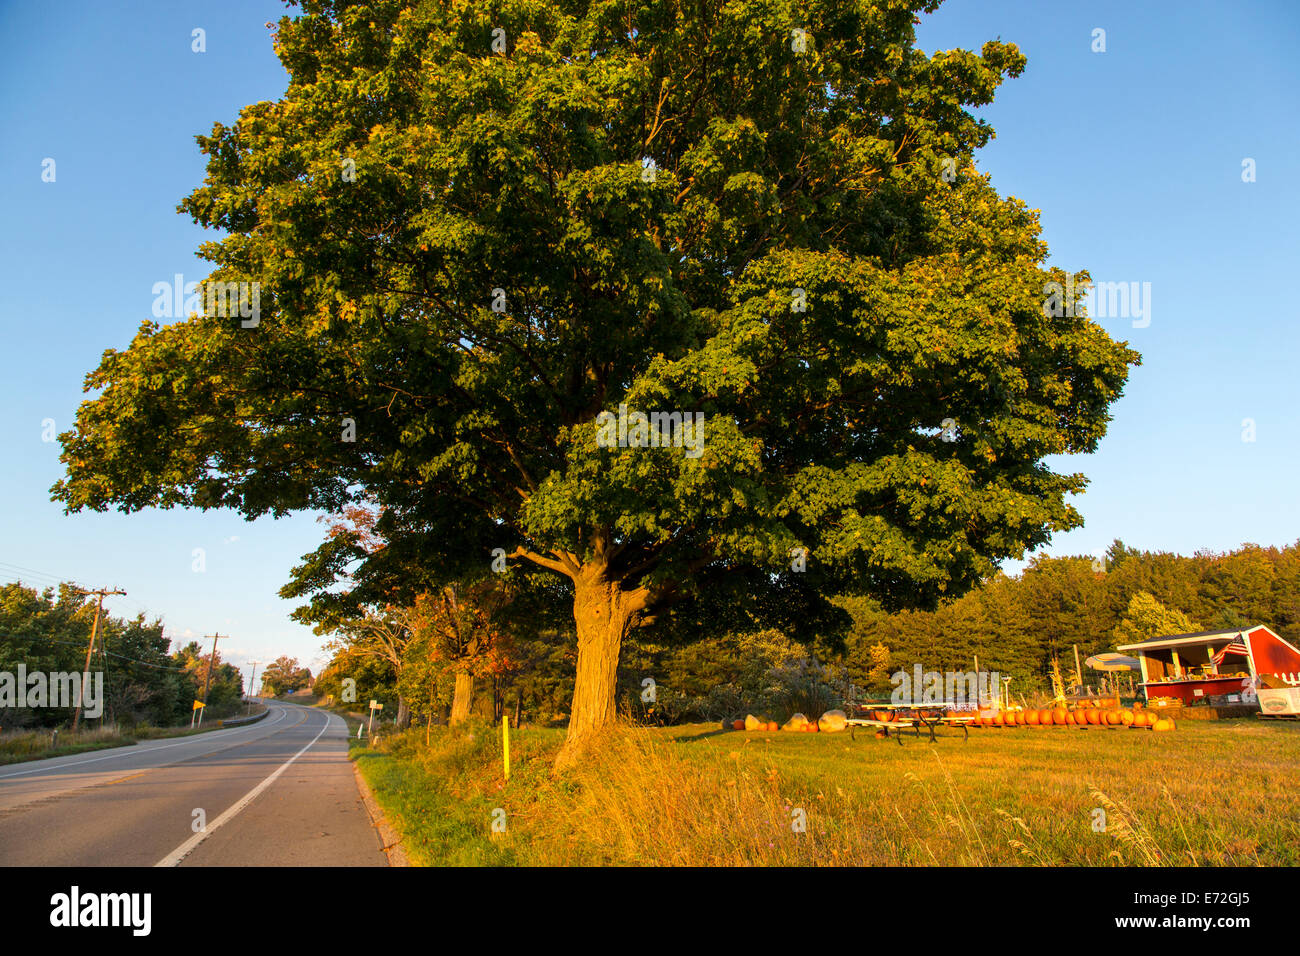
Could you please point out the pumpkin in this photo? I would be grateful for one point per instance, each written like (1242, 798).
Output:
(1021, 719)
(1162, 724)
(1061, 717)
(1094, 716)
(773, 725)
(1031, 718)
(737, 725)
(998, 719)
(1069, 718)
(1126, 718)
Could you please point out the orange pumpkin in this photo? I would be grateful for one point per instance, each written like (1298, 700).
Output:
(1021, 718)
(998, 719)
(737, 725)
(1094, 716)
(1031, 718)
(772, 725)
(1060, 717)
(1069, 718)
(1126, 718)
(1163, 724)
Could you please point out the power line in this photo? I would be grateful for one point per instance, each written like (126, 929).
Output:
(52, 580)
(135, 660)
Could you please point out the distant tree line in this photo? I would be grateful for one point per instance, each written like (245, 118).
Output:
(1015, 625)
(49, 631)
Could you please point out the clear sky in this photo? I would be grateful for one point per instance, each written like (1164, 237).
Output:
(1134, 155)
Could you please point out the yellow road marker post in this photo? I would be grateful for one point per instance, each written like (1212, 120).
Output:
(505, 743)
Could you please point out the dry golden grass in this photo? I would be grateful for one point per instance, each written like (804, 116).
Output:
(1217, 794)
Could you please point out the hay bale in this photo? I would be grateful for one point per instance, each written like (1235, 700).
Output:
(833, 721)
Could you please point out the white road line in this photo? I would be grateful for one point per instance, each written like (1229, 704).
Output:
(131, 751)
(174, 858)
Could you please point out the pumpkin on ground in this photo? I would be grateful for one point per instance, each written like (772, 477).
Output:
(1163, 724)
(1094, 716)
(1021, 718)
(1126, 718)
(1060, 716)
(737, 725)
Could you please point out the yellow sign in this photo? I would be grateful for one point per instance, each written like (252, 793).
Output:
(198, 704)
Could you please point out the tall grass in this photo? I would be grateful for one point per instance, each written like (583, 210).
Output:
(698, 797)
(19, 745)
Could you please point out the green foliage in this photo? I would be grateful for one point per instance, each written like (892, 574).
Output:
(284, 675)
(50, 630)
(1146, 617)
(1016, 625)
(775, 169)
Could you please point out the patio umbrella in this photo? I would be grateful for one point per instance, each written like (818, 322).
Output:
(1113, 662)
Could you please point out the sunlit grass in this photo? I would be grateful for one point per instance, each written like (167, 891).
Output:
(1206, 794)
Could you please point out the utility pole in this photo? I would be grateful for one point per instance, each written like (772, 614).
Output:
(252, 683)
(94, 632)
(208, 680)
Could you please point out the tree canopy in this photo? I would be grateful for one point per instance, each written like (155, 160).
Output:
(479, 230)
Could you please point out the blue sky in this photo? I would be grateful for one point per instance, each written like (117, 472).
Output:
(1134, 155)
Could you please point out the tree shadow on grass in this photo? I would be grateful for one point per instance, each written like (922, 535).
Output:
(698, 735)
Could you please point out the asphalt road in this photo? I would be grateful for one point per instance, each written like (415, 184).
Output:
(279, 792)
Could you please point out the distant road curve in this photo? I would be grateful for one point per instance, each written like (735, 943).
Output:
(279, 792)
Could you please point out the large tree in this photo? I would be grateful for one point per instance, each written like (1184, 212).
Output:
(476, 227)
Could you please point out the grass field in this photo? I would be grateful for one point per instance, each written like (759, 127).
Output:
(23, 745)
(1212, 793)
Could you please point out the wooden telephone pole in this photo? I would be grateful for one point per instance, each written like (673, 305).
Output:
(94, 632)
(208, 680)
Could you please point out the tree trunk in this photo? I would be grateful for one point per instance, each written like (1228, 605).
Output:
(462, 698)
(603, 613)
(403, 714)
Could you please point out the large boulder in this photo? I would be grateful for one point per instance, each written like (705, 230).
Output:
(753, 723)
(797, 722)
(832, 721)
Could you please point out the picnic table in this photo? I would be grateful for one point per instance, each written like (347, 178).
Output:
(914, 716)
